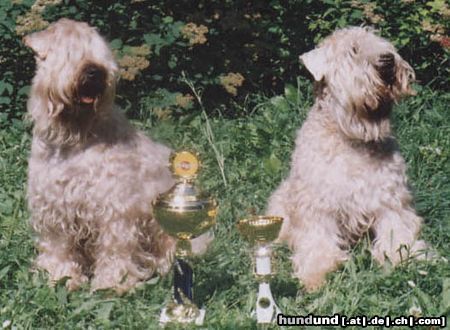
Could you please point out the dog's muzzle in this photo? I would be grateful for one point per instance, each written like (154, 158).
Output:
(91, 84)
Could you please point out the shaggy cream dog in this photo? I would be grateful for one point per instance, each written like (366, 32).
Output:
(347, 176)
(92, 177)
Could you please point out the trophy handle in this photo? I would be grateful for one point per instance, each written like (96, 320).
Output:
(182, 281)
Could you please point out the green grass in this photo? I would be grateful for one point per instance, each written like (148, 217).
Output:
(256, 152)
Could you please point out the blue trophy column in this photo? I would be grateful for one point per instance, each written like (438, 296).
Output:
(182, 281)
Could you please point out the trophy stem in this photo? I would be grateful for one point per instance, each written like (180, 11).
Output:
(266, 309)
(263, 266)
(182, 281)
(182, 308)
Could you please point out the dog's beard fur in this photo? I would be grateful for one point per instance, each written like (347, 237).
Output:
(74, 85)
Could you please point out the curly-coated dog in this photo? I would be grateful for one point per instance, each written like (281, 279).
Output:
(347, 176)
(92, 177)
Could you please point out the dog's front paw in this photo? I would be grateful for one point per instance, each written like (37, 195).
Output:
(75, 282)
(118, 274)
(420, 250)
(313, 283)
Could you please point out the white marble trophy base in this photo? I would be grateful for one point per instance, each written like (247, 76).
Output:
(165, 318)
(266, 309)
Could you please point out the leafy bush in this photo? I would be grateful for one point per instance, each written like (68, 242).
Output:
(228, 49)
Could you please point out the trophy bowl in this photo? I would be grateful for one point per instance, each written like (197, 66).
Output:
(260, 229)
(184, 212)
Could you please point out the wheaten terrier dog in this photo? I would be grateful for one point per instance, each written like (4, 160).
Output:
(92, 177)
(347, 176)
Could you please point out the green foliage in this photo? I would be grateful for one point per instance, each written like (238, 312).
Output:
(13, 79)
(157, 41)
(256, 152)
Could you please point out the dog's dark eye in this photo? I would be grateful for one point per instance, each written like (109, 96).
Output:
(386, 68)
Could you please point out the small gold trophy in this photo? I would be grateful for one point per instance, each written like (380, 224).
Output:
(184, 212)
(261, 231)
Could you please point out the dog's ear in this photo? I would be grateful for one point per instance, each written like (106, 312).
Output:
(39, 42)
(316, 63)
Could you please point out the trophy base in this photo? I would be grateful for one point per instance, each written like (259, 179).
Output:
(266, 309)
(182, 314)
(182, 310)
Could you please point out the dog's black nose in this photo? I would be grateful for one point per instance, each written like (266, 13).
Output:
(386, 68)
(93, 71)
(387, 60)
(91, 83)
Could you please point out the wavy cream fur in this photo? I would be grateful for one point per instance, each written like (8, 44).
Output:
(347, 176)
(92, 177)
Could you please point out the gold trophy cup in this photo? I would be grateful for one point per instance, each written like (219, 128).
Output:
(184, 212)
(261, 231)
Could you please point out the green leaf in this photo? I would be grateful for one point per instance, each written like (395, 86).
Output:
(4, 271)
(280, 103)
(436, 5)
(25, 90)
(290, 92)
(5, 86)
(153, 39)
(61, 295)
(116, 43)
(445, 302)
(272, 164)
(172, 63)
(104, 311)
(357, 14)
(86, 306)
(167, 19)
(5, 100)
